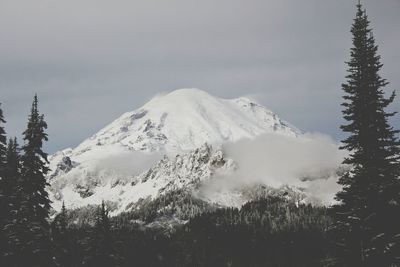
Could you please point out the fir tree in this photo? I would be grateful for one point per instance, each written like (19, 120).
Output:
(32, 226)
(102, 251)
(13, 162)
(366, 220)
(61, 239)
(3, 181)
(34, 162)
(10, 191)
(3, 144)
(63, 219)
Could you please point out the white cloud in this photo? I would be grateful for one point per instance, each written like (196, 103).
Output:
(309, 161)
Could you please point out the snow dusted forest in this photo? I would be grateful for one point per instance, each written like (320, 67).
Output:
(191, 179)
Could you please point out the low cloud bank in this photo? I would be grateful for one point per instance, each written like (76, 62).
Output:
(309, 161)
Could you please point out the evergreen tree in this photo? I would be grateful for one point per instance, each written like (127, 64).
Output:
(61, 239)
(63, 219)
(32, 227)
(366, 220)
(9, 188)
(3, 195)
(3, 145)
(102, 251)
(13, 163)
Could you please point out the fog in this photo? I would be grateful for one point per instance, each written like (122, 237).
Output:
(309, 161)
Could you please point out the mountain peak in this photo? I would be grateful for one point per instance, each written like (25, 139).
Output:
(191, 94)
(186, 118)
(188, 93)
(188, 99)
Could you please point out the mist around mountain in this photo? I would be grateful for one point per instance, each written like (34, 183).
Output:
(217, 150)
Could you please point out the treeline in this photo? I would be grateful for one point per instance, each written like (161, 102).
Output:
(268, 232)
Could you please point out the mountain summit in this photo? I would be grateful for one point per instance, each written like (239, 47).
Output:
(185, 119)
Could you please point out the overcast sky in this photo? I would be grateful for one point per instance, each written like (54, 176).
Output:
(91, 60)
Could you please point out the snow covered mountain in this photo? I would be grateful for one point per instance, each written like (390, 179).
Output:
(123, 163)
(185, 119)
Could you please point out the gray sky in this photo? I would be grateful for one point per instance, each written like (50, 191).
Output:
(91, 60)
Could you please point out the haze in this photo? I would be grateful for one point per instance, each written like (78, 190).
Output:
(90, 61)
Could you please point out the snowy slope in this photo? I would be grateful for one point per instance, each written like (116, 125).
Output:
(77, 187)
(113, 164)
(185, 119)
(190, 172)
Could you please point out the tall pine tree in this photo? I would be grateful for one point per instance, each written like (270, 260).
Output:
(10, 191)
(3, 181)
(101, 248)
(32, 234)
(3, 144)
(3, 147)
(366, 220)
(61, 239)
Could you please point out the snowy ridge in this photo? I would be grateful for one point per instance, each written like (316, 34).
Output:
(187, 171)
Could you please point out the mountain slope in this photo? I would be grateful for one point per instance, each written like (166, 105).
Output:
(185, 119)
(181, 172)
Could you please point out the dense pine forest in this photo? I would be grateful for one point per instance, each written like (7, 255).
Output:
(267, 232)
(361, 229)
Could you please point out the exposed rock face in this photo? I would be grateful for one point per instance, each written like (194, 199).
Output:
(64, 166)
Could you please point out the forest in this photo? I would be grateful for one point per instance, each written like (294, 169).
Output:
(271, 231)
